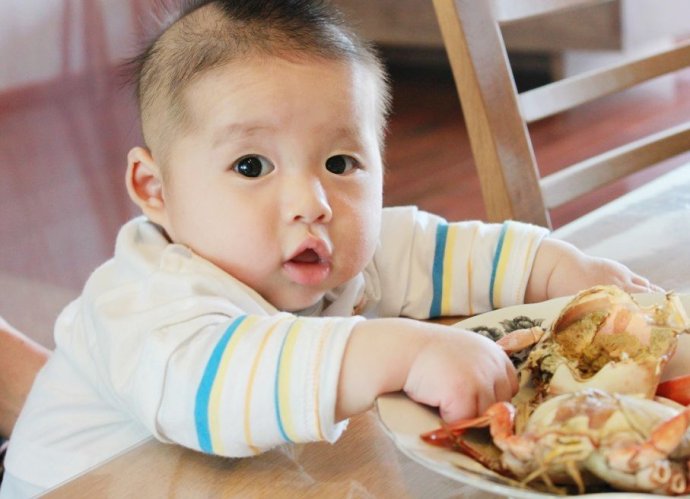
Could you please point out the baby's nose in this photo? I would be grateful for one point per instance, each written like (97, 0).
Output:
(307, 202)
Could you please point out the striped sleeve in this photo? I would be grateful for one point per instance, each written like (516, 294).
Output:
(512, 263)
(479, 267)
(427, 267)
(261, 381)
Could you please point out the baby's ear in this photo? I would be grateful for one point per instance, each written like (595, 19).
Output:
(145, 184)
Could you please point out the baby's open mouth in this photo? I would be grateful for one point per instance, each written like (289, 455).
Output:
(306, 256)
(307, 268)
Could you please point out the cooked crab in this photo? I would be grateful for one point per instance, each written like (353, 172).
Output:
(602, 339)
(629, 442)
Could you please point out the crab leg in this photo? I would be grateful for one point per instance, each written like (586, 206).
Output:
(677, 389)
(662, 441)
(499, 417)
(520, 339)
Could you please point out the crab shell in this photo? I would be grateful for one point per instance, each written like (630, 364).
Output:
(603, 339)
(629, 442)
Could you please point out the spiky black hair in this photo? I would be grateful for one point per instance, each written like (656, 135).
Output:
(200, 35)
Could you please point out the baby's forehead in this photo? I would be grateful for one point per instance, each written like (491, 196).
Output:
(253, 82)
(255, 67)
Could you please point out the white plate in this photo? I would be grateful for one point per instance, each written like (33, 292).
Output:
(404, 420)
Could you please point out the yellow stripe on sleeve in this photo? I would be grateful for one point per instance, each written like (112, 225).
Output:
(250, 386)
(525, 267)
(470, 271)
(317, 377)
(285, 379)
(502, 267)
(214, 412)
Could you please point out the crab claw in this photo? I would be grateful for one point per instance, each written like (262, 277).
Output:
(676, 389)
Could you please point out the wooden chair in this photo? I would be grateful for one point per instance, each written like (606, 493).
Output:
(496, 115)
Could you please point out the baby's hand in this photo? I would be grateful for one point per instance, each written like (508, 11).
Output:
(461, 373)
(587, 271)
(560, 269)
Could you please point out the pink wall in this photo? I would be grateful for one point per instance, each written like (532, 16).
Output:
(45, 40)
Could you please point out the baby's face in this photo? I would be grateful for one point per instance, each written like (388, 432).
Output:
(279, 179)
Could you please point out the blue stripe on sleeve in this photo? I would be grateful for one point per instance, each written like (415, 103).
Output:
(204, 391)
(276, 388)
(497, 257)
(437, 272)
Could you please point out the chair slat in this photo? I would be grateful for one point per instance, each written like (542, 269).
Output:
(561, 95)
(580, 178)
(497, 124)
(498, 136)
(508, 11)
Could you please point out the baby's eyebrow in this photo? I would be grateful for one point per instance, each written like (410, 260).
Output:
(348, 132)
(235, 130)
(238, 130)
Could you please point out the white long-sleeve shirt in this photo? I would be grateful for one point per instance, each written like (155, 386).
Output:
(162, 342)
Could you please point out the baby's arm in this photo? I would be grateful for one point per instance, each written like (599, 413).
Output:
(20, 358)
(237, 386)
(459, 372)
(561, 269)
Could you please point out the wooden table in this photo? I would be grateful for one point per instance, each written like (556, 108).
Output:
(649, 230)
(364, 463)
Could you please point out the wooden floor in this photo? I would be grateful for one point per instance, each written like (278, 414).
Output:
(63, 146)
(430, 162)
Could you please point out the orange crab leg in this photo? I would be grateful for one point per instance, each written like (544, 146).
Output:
(447, 435)
(676, 389)
(499, 417)
(520, 339)
(663, 440)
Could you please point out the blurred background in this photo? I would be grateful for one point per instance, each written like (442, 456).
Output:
(66, 122)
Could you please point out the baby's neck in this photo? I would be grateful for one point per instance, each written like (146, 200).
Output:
(313, 311)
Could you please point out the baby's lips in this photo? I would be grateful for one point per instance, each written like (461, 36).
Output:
(306, 256)
(312, 250)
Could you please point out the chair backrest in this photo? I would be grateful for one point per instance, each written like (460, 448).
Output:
(496, 115)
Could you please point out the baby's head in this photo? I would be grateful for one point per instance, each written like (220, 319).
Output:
(264, 124)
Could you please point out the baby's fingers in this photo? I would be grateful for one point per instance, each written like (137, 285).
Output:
(468, 403)
(475, 398)
(504, 389)
(640, 284)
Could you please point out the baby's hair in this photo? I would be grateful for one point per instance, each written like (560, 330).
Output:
(206, 34)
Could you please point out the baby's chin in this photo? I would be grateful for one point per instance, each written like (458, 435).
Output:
(296, 304)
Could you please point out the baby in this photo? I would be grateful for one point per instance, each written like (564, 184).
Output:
(258, 299)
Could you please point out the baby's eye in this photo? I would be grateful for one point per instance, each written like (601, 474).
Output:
(341, 164)
(253, 166)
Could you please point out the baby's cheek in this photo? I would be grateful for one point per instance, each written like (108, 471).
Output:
(357, 254)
